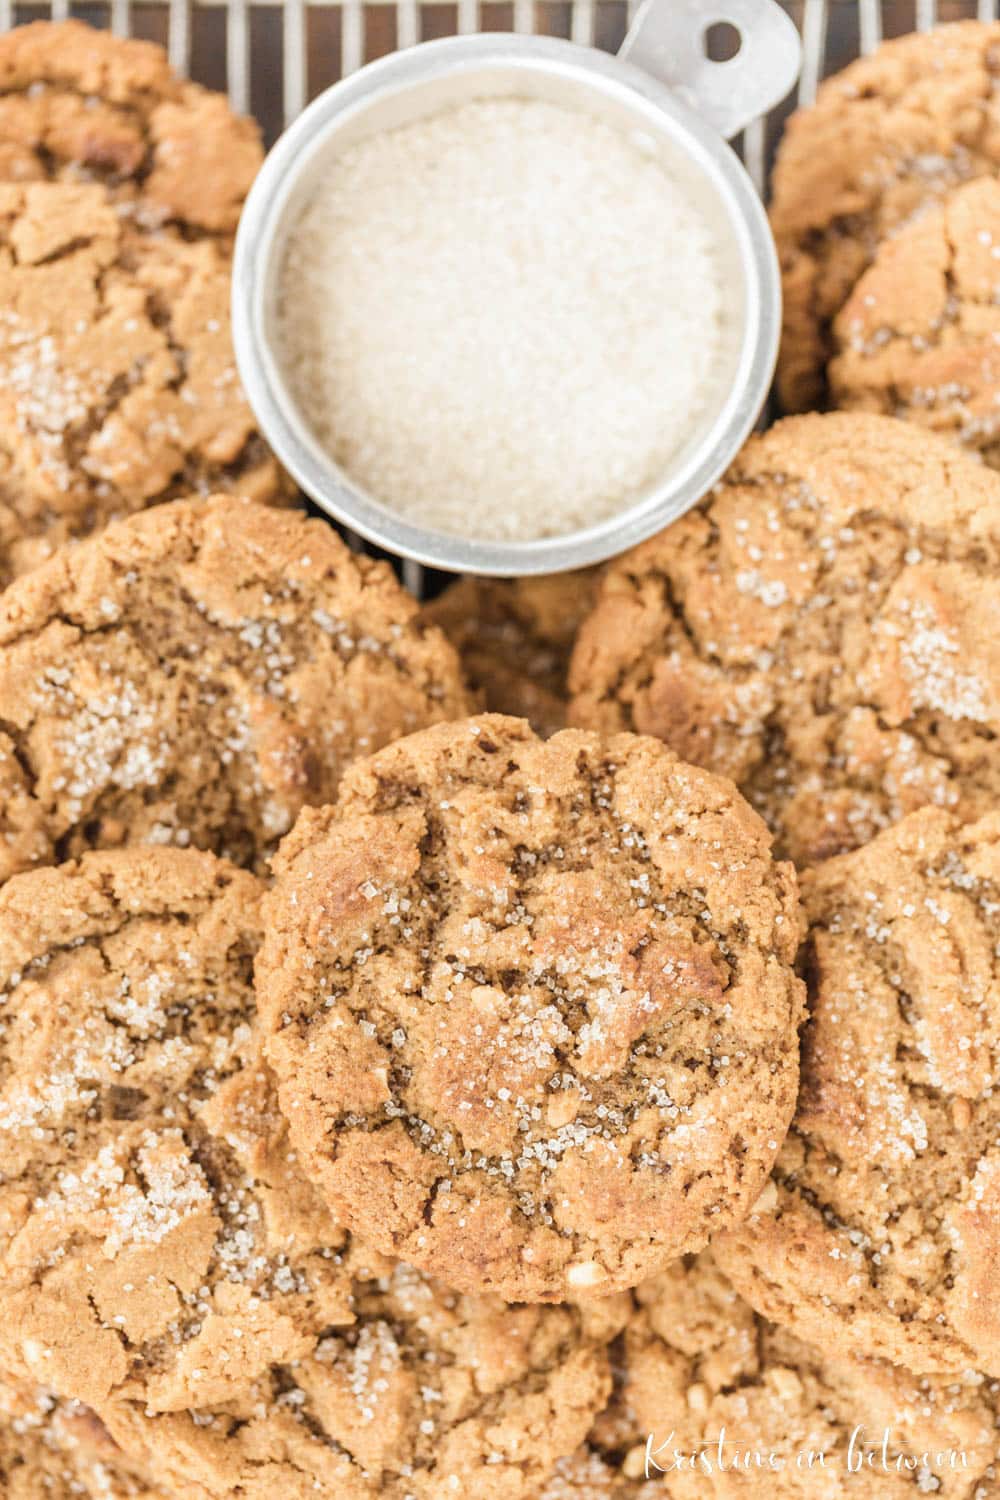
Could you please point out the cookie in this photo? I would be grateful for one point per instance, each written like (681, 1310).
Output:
(701, 1366)
(164, 1258)
(919, 337)
(155, 1242)
(514, 637)
(891, 132)
(52, 1450)
(530, 1005)
(82, 105)
(118, 384)
(418, 1393)
(585, 1475)
(823, 629)
(194, 674)
(880, 1231)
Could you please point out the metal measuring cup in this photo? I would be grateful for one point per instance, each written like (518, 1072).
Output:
(661, 84)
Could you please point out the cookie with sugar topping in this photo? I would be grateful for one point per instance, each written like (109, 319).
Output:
(700, 1366)
(586, 1475)
(195, 674)
(420, 1394)
(514, 637)
(156, 1242)
(530, 1005)
(919, 337)
(54, 1450)
(118, 383)
(823, 628)
(77, 104)
(880, 1231)
(890, 133)
(164, 1258)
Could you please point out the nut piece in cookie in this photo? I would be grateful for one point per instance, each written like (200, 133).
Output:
(880, 1232)
(418, 1393)
(919, 337)
(700, 1364)
(824, 628)
(514, 637)
(530, 1005)
(156, 1244)
(891, 132)
(78, 104)
(118, 383)
(197, 673)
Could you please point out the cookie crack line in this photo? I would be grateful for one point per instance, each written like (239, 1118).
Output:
(524, 1104)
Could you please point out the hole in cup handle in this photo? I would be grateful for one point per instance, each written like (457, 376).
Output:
(667, 40)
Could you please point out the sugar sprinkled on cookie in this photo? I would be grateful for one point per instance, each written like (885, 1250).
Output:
(414, 1393)
(880, 1232)
(887, 136)
(530, 1005)
(824, 629)
(155, 1240)
(919, 338)
(194, 674)
(118, 384)
(585, 1475)
(700, 1365)
(164, 1258)
(58, 1450)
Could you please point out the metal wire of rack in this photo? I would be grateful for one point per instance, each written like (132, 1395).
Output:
(273, 56)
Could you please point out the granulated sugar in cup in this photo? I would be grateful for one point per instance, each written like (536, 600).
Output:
(504, 304)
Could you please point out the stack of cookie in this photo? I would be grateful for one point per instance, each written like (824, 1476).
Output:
(399, 1100)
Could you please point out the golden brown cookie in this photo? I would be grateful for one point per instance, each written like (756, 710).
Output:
(824, 628)
(55, 1450)
(586, 1475)
(155, 1241)
(164, 1258)
(194, 674)
(418, 1393)
(80, 105)
(893, 130)
(700, 1366)
(919, 337)
(880, 1231)
(514, 637)
(530, 1005)
(118, 384)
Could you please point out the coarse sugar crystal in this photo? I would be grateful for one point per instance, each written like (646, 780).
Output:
(503, 320)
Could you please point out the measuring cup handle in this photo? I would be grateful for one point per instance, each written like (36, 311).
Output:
(668, 40)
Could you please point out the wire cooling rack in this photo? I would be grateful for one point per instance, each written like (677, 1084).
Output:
(273, 56)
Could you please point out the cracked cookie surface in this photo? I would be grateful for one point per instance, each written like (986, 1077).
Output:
(885, 135)
(196, 673)
(54, 1450)
(880, 1231)
(415, 1393)
(118, 383)
(514, 637)
(824, 629)
(530, 1005)
(919, 337)
(164, 1259)
(80, 104)
(700, 1363)
(156, 1243)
